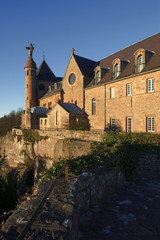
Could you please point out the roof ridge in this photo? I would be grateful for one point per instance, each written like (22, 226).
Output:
(85, 58)
(44, 62)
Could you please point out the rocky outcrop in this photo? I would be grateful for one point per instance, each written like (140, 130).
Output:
(54, 145)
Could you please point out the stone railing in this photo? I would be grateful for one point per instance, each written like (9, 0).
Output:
(94, 135)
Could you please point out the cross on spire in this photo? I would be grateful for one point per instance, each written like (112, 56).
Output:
(73, 50)
(43, 55)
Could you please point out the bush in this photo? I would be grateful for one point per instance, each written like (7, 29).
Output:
(117, 148)
(7, 193)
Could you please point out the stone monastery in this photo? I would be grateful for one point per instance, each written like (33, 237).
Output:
(120, 91)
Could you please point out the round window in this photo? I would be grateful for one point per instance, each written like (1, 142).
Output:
(72, 79)
(41, 87)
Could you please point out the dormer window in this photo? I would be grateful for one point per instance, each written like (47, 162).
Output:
(139, 63)
(98, 78)
(142, 57)
(118, 67)
(99, 73)
(116, 71)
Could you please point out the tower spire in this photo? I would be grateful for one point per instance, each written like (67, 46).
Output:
(43, 55)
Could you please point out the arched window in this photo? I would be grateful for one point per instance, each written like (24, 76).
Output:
(139, 63)
(57, 118)
(98, 76)
(93, 106)
(116, 71)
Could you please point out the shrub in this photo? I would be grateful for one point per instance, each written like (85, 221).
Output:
(117, 148)
(7, 192)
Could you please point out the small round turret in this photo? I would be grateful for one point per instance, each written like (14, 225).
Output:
(30, 81)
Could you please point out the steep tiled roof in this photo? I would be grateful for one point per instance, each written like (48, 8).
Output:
(44, 73)
(53, 91)
(39, 110)
(86, 65)
(151, 44)
(71, 108)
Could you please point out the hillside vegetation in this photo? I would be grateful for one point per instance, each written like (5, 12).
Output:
(13, 119)
(122, 149)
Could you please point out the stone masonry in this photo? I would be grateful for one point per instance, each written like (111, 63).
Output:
(60, 215)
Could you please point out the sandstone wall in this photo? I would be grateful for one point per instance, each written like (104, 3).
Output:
(139, 105)
(58, 144)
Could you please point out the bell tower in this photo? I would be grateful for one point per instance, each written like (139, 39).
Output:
(30, 81)
(30, 89)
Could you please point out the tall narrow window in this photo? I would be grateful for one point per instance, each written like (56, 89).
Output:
(139, 63)
(93, 106)
(98, 76)
(112, 92)
(129, 124)
(112, 123)
(57, 118)
(150, 124)
(150, 85)
(50, 105)
(129, 89)
(116, 71)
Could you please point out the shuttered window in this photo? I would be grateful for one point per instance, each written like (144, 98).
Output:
(150, 124)
(112, 92)
(129, 124)
(129, 89)
(150, 85)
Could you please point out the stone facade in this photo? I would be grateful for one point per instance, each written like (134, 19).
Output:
(120, 91)
(140, 105)
(73, 93)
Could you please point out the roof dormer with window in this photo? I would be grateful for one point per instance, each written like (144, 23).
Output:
(142, 56)
(118, 67)
(99, 73)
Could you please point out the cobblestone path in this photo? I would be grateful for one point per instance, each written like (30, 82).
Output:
(131, 214)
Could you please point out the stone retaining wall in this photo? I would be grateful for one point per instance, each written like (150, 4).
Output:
(59, 218)
(148, 166)
(57, 144)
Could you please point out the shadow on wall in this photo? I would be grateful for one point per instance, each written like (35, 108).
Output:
(114, 125)
(79, 122)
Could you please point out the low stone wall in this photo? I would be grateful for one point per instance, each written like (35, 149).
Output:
(59, 218)
(148, 166)
(93, 135)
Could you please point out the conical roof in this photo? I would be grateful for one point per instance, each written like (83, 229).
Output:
(44, 73)
(30, 64)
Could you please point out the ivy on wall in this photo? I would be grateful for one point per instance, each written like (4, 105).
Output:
(117, 148)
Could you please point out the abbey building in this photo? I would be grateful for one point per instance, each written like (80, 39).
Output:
(120, 91)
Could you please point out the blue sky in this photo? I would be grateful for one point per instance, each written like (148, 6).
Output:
(95, 29)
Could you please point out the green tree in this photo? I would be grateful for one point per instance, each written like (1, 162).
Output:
(7, 122)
